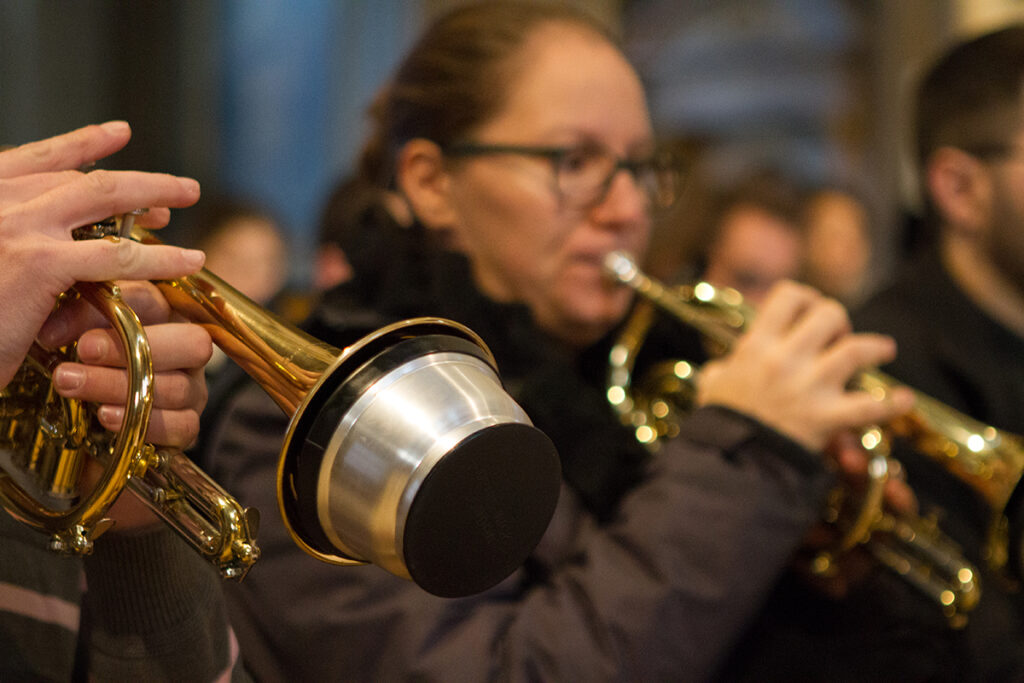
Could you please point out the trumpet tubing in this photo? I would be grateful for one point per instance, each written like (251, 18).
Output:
(39, 485)
(402, 450)
(991, 462)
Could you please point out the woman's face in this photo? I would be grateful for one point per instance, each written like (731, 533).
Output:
(525, 242)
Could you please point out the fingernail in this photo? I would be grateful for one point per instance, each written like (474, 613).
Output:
(189, 184)
(115, 126)
(54, 332)
(110, 416)
(68, 378)
(194, 258)
(92, 349)
(893, 348)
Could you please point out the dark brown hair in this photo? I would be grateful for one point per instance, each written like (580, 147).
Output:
(768, 191)
(972, 97)
(455, 78)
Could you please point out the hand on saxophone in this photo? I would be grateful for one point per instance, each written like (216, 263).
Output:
(43, 197)
(792, 369)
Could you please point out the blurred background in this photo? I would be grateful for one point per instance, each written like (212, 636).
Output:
(263, 101)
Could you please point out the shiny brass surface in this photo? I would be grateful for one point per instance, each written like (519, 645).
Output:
(408, 417)
(45, 440)
(989, 461)
(58, 446)
(422, 391)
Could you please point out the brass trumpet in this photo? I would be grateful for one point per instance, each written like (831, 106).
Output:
(989, 461)
(403, 449)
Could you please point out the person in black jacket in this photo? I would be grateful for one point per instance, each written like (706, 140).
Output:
(520, 138)
(957, 313)
(957, 310)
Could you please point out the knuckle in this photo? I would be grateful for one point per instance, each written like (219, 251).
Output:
(201, 392)
(183, 393)
(147, 301)
(126, 254)
(785, 287)
(172, 391)
(201, 343)
(791, 288)
(832, 317)
(836, 311)
(774, 361)
(177, 428)
(102, 182)
(43, 151)
(188, 344)
(189, 428)
(195, 390)
(196, 345)
(192, 422)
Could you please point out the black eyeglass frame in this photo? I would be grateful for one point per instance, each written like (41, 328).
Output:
(993, 152)
(659, 163)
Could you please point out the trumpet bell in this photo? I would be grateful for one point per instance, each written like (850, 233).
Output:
(403, 449)
(410, 455)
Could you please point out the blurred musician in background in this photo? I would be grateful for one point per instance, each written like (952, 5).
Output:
(520, 137)
(839, 244)
(755, 236)
(957, 313)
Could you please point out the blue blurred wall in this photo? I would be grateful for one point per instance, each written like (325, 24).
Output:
(297, 78)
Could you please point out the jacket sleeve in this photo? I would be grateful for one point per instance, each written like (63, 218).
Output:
(661, 592)
(154, 610)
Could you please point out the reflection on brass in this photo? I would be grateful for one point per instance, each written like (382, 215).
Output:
(368, 425)
(989, 461)
(46, 440)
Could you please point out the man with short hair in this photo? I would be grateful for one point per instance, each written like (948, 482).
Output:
(956, 311)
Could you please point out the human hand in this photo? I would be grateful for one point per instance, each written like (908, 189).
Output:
(851, 460)
(792, 368)
(179, 350)
(846, 566)
(43, 198)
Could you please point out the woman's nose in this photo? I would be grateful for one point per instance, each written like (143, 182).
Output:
(625, 202)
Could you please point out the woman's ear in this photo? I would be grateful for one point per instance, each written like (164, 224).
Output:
(424, 180)
(961, 188)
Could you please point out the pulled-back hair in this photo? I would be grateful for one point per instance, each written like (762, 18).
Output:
(973, 97)
(455, 78)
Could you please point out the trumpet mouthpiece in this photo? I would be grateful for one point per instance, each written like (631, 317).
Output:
(620, 267)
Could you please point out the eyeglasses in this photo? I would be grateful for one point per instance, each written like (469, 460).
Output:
(584, 173)
(993, 152)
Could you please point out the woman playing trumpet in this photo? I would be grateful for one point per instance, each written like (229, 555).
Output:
(520, 138)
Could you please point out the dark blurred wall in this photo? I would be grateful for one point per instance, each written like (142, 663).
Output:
(67, 64)
(266, 99)
(816, 89)
(261, 100)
